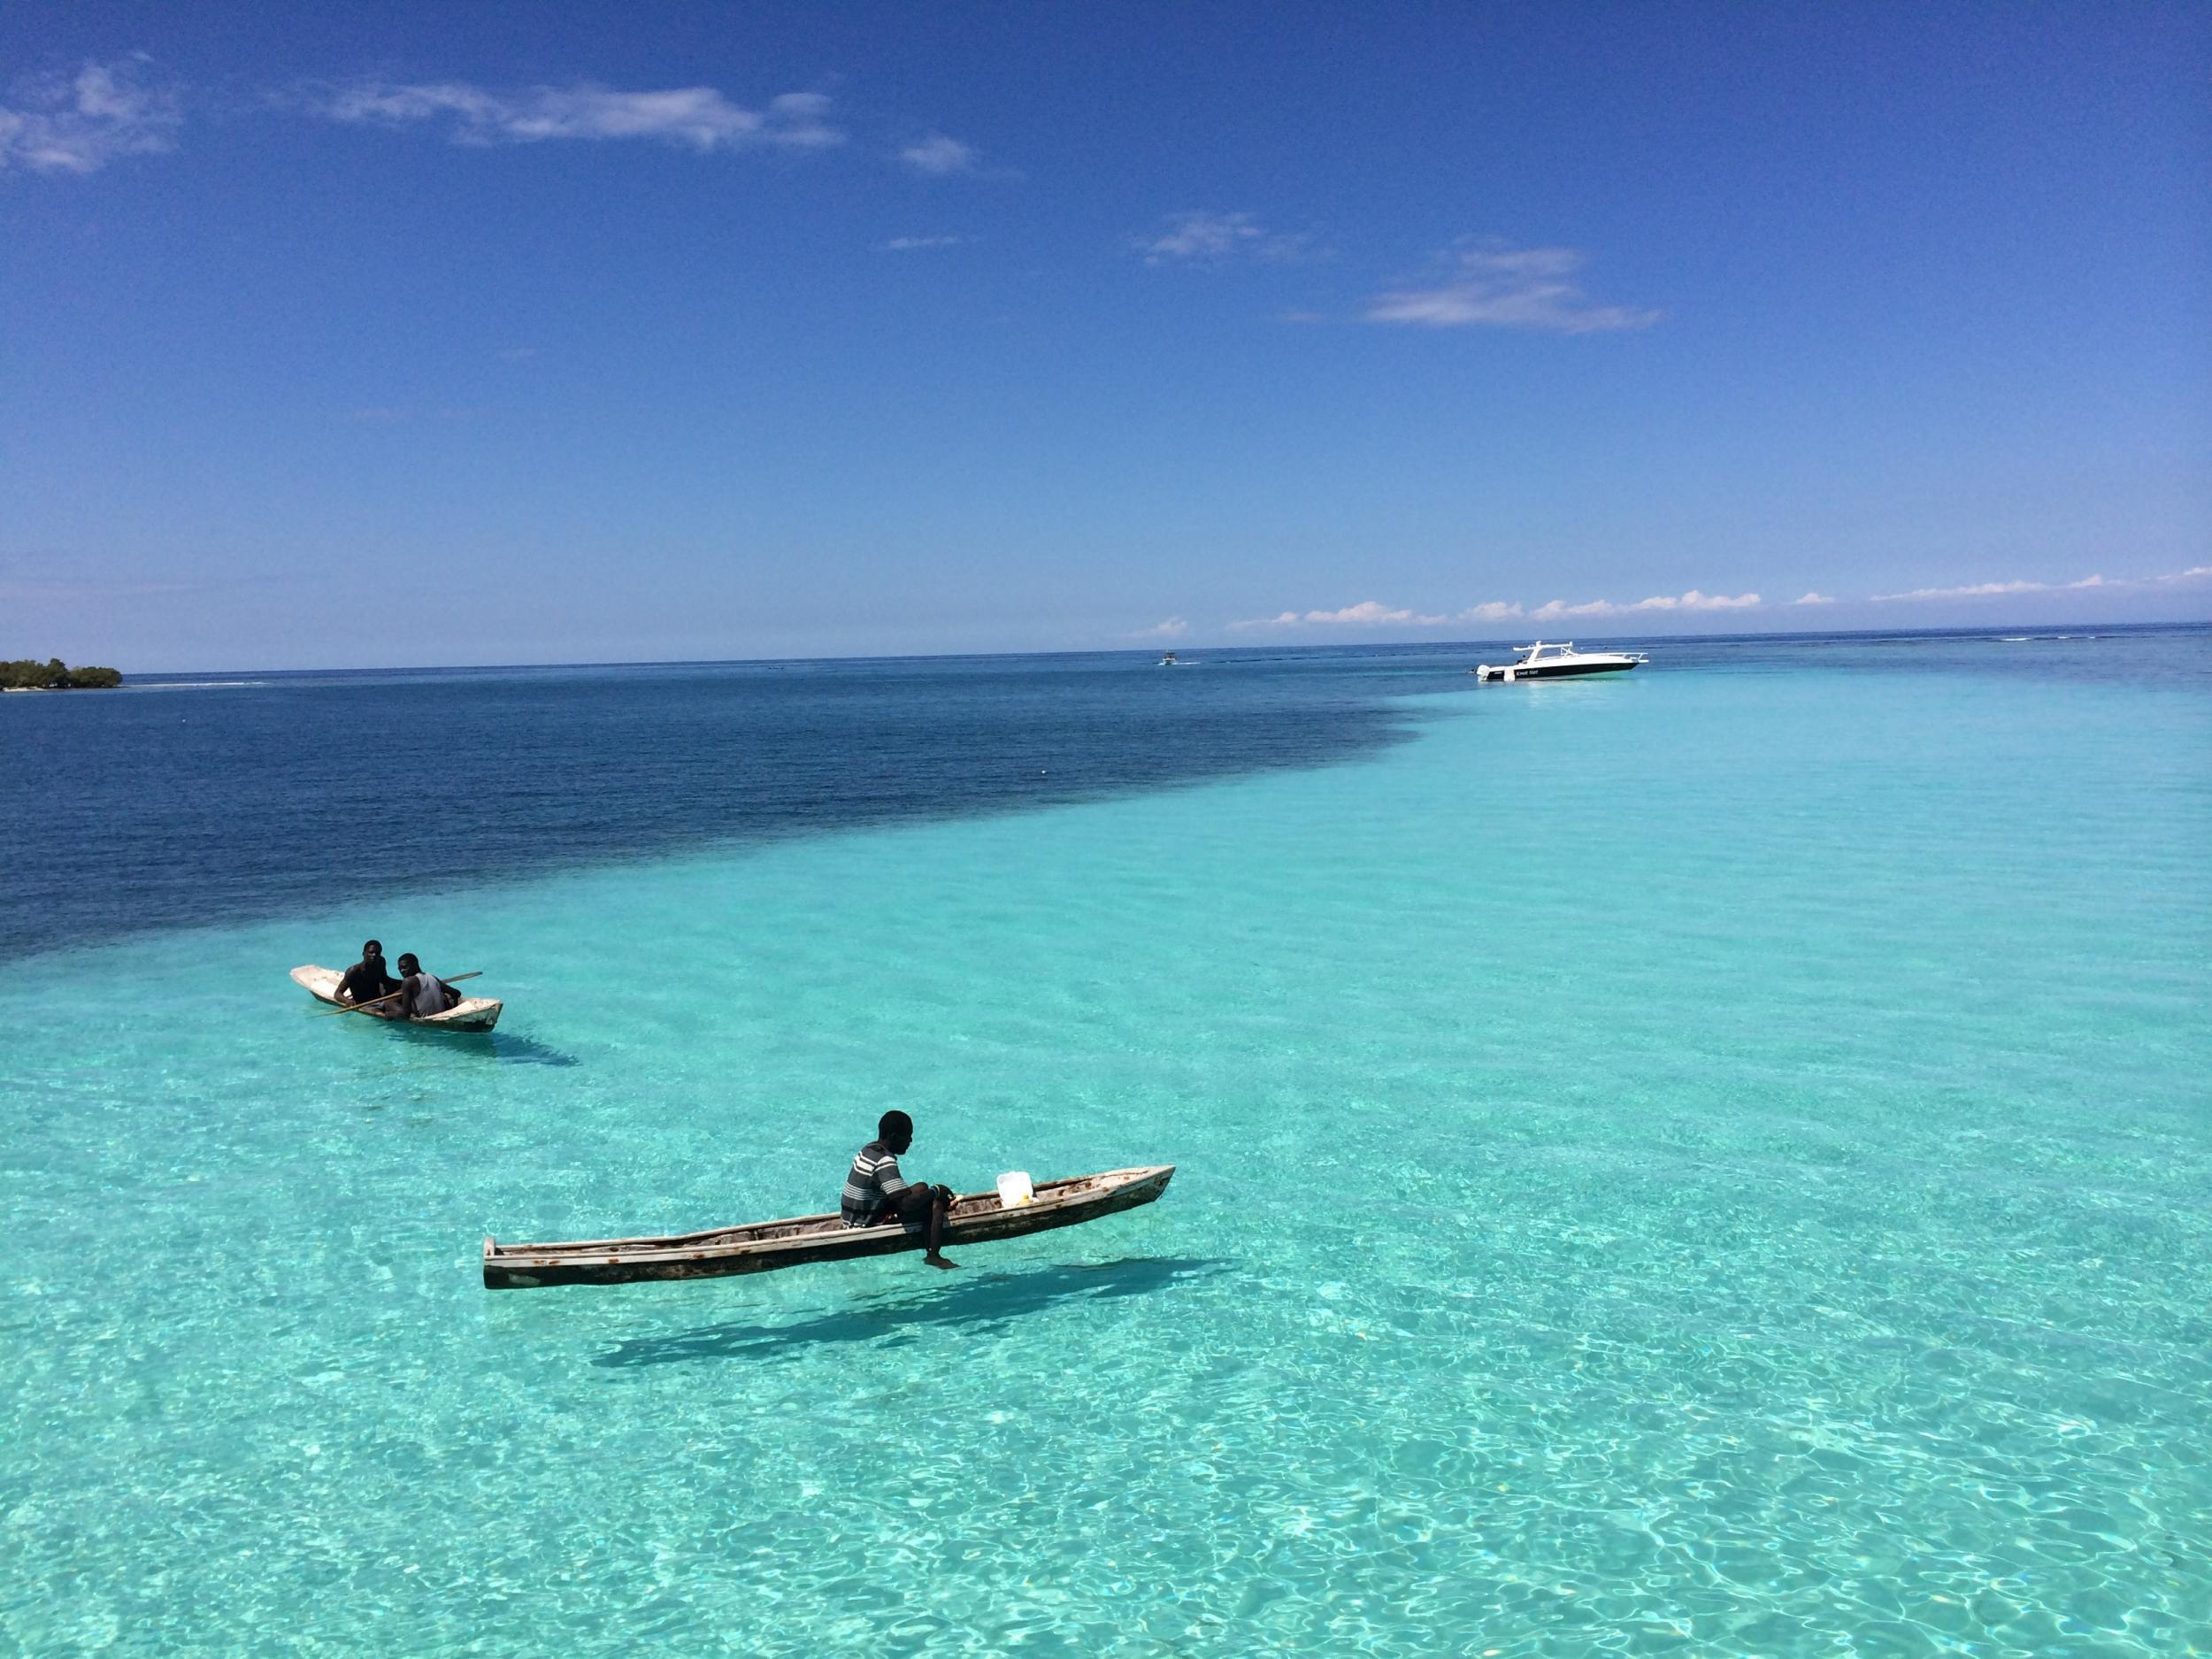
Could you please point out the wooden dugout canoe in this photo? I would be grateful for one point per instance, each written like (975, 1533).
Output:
(765, 1246)
(471, 1013)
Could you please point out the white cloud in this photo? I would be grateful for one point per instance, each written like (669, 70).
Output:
(1371, 613)
(1174, 628)
(939, 156)
(1205, 238)
(1499, 287)
(1982, 590)
(908, 244)
(1697, 601)
(1367, 613)
(698, 117)
(80, 124)
(1552, 610)
(1977, 591)
(1374, 613)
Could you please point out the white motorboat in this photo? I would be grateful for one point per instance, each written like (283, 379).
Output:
(1557, 661)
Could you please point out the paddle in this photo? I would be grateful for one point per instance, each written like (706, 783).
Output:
(355, 1008)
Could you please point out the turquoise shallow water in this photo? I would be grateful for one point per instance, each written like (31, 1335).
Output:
(1713, 1163)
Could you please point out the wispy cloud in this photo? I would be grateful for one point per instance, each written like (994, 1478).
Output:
(1371, 613)
(909, 245)
(1497, 287)
(940, 157)
(1207, 238)
(85, 592)
(1697, 601)
(1815, 599)
(1555, 609)
(695, 118)
(1986, 590)
(1374, 613)
(1174, 628)
(81, 123)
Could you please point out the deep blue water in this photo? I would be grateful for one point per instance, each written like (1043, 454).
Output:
(188, 800)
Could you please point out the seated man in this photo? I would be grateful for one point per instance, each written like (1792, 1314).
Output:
(366, 981)
(877, 1194)
(423, 994)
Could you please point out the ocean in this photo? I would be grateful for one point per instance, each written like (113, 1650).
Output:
(1711, 1161)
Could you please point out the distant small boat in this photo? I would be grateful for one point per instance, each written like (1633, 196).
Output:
(471, 1013)
(1557, 661)
(765, 1246)
(1169, 661)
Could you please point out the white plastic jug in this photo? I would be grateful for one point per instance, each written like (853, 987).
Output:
(1014, 1190)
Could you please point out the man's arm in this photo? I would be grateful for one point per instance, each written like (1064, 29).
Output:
(890, 1183)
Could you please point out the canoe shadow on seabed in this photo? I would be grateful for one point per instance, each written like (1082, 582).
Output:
(505, 1047)
(982, 1302)
(518, 1050)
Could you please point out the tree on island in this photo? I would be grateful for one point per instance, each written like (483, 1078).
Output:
(55, 675)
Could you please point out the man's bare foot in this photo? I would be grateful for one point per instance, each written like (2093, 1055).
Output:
(941, 1261)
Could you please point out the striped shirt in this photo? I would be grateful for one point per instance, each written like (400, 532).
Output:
(875, 1180)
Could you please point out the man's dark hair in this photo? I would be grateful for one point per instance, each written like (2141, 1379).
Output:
(894, 1123)
(407, 958)
(374, 948)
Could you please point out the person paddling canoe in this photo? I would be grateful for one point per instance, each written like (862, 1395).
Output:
(423, 994)
(366, 981)
(876, 1193)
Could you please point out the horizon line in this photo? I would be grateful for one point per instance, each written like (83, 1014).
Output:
(1179, 649)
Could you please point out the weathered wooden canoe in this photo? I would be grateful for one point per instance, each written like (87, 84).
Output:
(471, 1013)
(765, 1246)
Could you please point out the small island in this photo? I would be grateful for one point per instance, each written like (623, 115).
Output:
(55, 676)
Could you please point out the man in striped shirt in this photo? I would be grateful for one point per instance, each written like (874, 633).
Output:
(877, 1194)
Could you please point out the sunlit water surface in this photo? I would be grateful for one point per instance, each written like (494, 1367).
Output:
(1716, 1162)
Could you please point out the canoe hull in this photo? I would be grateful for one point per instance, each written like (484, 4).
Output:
(765, 1247)
(471, 1013)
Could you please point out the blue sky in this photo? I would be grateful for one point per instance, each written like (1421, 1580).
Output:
(551, 333)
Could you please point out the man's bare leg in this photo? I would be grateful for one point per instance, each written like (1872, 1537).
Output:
(939, 1206)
